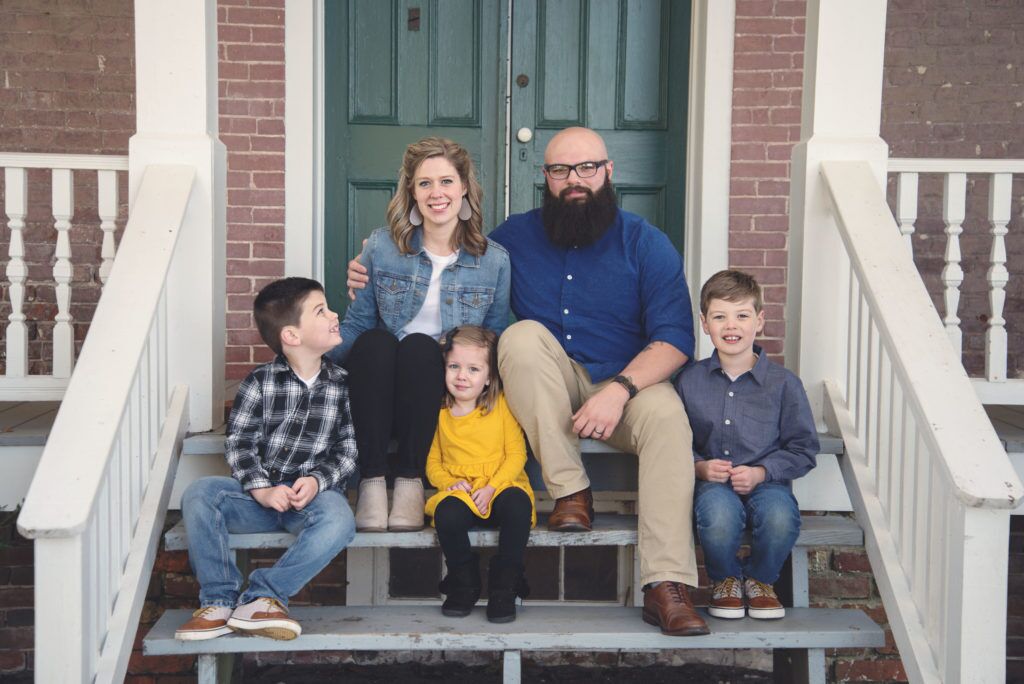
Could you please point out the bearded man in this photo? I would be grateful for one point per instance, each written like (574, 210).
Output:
(604, 320)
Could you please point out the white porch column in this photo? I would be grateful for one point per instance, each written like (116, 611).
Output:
(176, 100)
(842, 104)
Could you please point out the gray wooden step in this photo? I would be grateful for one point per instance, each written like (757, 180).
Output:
(609, 530)
(537, 628)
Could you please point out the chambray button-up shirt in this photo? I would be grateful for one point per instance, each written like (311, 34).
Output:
(761, 418)
(605, 302)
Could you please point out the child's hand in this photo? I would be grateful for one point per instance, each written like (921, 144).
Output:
(482, 498)
(304, 490)
(461, 486)
(713, 470)
(279, 498)
(745, 478)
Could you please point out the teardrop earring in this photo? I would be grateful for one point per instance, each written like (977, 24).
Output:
(465, 211)
(415, 217)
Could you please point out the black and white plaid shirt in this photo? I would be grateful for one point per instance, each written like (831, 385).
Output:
(281, 430)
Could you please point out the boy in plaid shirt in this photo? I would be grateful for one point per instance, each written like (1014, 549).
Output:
(291, 446)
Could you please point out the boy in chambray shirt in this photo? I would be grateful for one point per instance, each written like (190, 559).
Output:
(753, 434)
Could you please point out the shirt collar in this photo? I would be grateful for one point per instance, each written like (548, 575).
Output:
(328, 368)
(759, 372)
(464, 259)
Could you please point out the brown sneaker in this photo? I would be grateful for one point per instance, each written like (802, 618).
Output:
(727, 599)
(264, 617)
(762, 603)
(573, 513)
(669, 607)
(208, 622)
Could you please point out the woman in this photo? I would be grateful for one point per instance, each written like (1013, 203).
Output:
(430, 270)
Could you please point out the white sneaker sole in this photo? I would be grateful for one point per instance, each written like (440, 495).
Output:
(726, 613)
(282, 630)
(202, 634)
(766, 613)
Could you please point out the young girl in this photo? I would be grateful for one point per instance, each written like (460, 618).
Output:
(476, 462)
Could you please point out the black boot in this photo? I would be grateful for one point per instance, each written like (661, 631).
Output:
(505, 581)
(461, 587)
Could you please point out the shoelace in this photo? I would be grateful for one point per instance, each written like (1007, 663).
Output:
(730, 586)
(273, 603)
(676, 594)
(203, 612)
(757, 589)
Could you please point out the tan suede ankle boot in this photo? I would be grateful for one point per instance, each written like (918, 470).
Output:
(407, 505)
(372, 507)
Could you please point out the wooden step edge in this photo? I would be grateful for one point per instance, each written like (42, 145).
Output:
(537, 628)
(609, 530)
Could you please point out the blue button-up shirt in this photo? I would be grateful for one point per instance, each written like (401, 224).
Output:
(760, 418)
(604, 302)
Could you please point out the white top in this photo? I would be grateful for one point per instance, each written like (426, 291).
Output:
(310, 381)
(428, 319)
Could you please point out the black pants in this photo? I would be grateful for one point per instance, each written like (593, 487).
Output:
(511, 512)
(395, 389)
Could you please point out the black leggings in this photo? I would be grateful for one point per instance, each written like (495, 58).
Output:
(395, 390)
(511, 513)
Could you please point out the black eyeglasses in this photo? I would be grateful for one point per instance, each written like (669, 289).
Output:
(583, 169)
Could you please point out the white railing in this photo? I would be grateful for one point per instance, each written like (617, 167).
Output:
(98, 500)
(17, 384)
(994, 387)
(929, 479)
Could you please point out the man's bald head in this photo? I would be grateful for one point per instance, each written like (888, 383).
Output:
(573, 145)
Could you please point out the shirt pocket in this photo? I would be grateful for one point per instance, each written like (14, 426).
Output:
(392, 291)
(474, 302)
(761, 420)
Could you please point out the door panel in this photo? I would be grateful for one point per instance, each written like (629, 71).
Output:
(397, 71)
(619, 67)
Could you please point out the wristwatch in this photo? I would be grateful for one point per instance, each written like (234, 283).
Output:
(627, 383)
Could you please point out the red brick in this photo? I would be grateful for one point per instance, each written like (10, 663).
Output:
(12, 661)
(140, 664)
(887, 670)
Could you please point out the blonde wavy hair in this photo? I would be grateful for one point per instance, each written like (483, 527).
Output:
(469, 234)
(475, 336)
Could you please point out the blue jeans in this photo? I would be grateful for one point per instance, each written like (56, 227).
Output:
(215, 506)
(722, 515)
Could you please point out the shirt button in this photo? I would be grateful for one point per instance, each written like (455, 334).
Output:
(730, 394)
(728, 422)
(569, 277)
(565, 311)
(568, 337)
(726, 452)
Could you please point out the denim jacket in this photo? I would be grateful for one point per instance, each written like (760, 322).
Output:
(474, 290)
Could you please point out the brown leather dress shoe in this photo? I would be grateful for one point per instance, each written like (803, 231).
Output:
(668, 606)
(573, 513)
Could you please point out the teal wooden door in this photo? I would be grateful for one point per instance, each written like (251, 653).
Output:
(396, 71)
(619, 67)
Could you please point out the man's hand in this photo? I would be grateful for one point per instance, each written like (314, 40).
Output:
(713, 470)
(461, 486)
(279, 498)
(304, 490)
(357, 278)
(745, 478)
(600, 414)
(482, 498)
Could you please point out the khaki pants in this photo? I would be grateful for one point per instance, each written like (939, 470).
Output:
(544, 387)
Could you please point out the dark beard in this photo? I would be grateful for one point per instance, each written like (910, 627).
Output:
(579, 223)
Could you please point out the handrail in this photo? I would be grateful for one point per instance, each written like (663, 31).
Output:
(922, 165)
(76, 452)
(928, 478)
(98, 500)
(87, 162)
(921, 355)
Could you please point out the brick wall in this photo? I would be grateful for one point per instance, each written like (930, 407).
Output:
(251, 37)
(765, 126)
(954, 78)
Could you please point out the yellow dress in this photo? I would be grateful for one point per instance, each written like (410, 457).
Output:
(480, 449)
